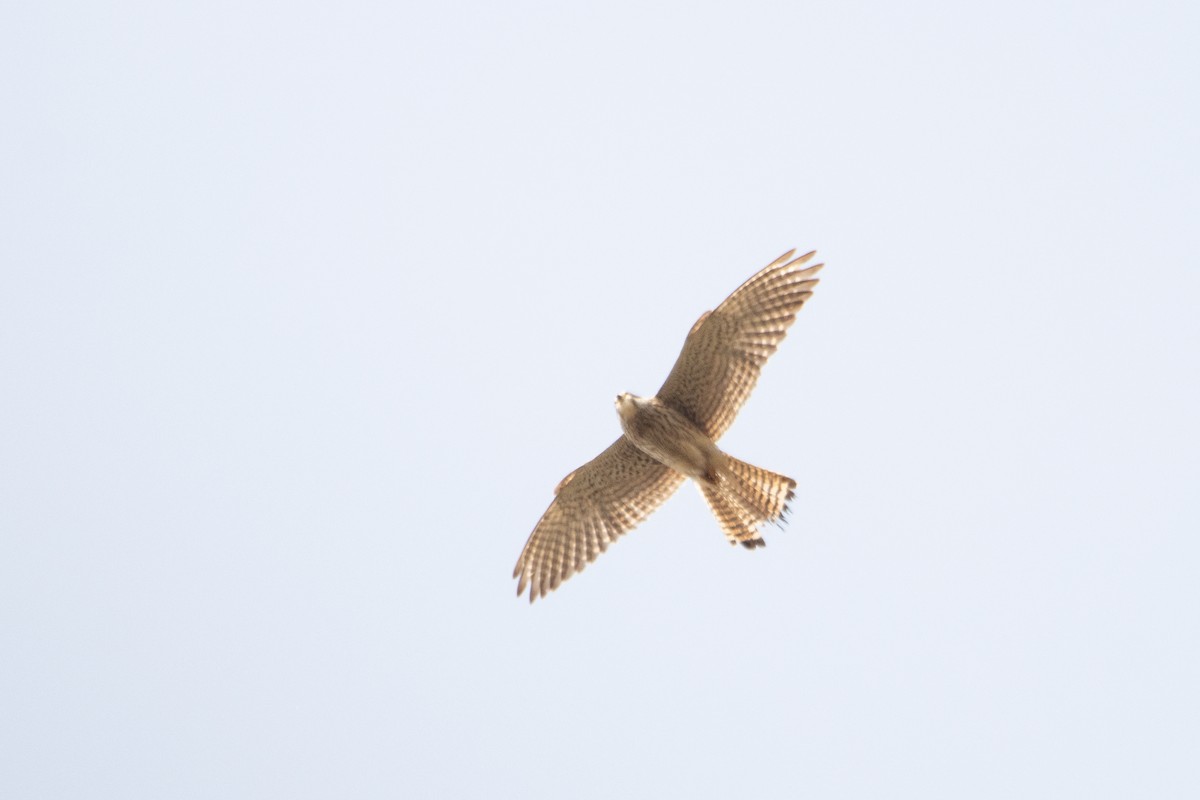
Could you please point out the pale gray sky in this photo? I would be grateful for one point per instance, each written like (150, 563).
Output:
(306, 308)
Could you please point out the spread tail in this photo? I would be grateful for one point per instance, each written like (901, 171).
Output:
(742, 497)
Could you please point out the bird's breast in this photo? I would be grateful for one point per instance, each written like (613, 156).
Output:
(668, 436)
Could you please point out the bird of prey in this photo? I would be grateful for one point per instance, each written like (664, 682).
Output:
(672, 436)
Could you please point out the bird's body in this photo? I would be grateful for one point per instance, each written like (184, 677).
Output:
(740, 495)
(672, 436)
(666, 435)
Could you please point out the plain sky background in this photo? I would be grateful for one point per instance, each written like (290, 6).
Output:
(306, 308)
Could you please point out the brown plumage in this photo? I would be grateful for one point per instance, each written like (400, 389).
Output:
(672, 436)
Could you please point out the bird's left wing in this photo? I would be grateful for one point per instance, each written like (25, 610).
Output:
(727, 347)
(594, 505)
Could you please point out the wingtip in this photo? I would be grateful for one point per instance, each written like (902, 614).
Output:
(804, 259)
(808, 273)
(782, 259)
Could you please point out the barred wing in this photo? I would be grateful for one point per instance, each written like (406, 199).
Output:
(727, 347)
(594, 505)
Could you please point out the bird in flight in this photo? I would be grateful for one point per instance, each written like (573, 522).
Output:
(672, 436)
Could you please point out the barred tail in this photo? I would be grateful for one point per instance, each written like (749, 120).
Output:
(743, 497)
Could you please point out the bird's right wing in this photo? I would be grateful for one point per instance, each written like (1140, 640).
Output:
(594, 505)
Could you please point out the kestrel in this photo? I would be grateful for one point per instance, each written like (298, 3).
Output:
(672, 436)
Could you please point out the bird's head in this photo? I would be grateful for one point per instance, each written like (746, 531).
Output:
(626, 404)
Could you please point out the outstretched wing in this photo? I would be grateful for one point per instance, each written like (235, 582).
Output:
(592, 506)
(727, 347)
